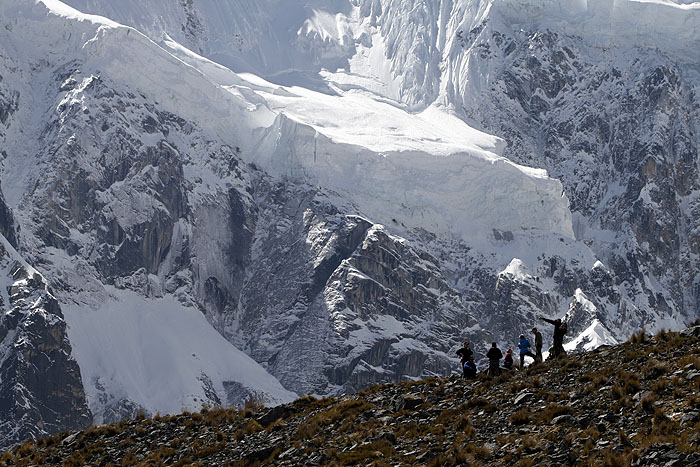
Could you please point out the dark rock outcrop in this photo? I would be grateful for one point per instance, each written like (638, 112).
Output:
(41, 390)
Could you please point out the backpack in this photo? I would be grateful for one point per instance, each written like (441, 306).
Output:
(563, 328)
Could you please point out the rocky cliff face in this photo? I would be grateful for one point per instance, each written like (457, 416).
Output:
(40, 381)
(617, 125)
(41, 390)
(353, 305)
(612, 114)
(118, 196)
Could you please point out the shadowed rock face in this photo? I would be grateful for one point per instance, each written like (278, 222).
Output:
(398, 292)
(9, 102)
(41, 390)
(335, 276)
(129, 199)
(7, 223)
(158, 172)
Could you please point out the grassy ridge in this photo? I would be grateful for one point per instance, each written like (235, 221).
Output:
(633, 404)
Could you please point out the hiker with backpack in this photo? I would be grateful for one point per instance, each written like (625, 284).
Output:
(469, 369)
(524, 346)
(538, 345)
(494, 355)
(465, 353)
(560, 328)
(508, 360)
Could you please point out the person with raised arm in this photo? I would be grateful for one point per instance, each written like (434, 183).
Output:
(560, 329)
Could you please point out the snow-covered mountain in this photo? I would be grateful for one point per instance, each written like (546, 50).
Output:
(227, 199)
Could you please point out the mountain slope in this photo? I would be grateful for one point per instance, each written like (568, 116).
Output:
(102, 212)
(633, 404)
(143, 215)
(529, 72)
(40, 380)
(334, 219)
(614, 116)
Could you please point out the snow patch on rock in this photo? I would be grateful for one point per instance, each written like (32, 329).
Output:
(594, 336)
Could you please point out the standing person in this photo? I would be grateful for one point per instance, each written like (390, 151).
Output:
(508, 360)
(524, 346)
(465, 353)
(538, 345)
(494, 355)
(559, 332)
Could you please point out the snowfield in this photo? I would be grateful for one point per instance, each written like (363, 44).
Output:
(160, 355)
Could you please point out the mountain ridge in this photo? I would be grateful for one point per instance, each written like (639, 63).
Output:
(632, 404)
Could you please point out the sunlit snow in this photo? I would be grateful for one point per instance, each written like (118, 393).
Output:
(156, 353)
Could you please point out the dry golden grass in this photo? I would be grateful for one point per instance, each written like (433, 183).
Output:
(521, 417)
(654, 369)
(648, 403)
(638, 337)
(552, 411)
(381, 449)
